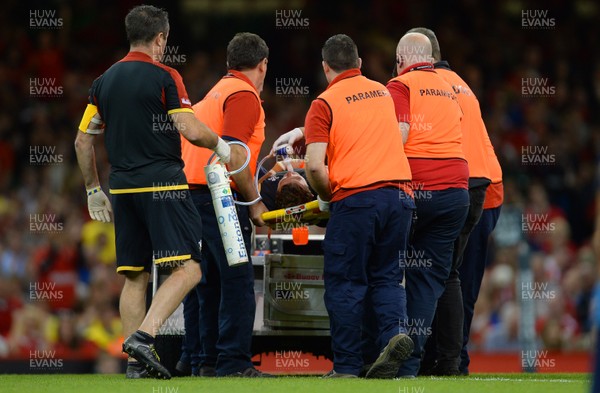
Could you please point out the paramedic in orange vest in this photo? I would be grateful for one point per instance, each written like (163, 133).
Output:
(442, 352)
(352, 125)
(447, 353)
(429, 117)
(225, 299)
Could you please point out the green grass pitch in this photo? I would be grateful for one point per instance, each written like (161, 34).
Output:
(476, 383)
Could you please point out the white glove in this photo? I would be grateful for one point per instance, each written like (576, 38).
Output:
(323, 205)
(99, 206)
(288, 138)
(223, 151)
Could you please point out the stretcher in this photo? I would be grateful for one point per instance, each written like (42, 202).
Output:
(307, 213)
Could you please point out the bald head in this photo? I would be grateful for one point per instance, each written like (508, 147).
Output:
(413, 48)
(435, 44)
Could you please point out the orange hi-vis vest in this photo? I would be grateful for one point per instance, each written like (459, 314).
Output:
(473, 129)
(494, 196)
(492, 161)
(210, 111)
(365, 143)
(434, 117)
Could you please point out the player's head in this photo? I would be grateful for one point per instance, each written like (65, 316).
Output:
(413, 48)
(339, 54)
(292, 190)
(148, 26)
(435, 45)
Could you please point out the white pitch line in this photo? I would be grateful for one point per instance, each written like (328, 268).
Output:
(520, 380)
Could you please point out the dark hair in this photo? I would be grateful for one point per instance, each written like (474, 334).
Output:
(144, 22)
(245, 51)
(340, 53)
(435, 45)
(292, 194)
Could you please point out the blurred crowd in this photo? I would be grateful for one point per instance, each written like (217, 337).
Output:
(58, 286)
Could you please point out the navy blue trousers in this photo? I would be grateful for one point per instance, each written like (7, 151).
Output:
(365, 234)
(445, 343)
(190, 348)
(225, 298)
(440, 218)
(471, 272)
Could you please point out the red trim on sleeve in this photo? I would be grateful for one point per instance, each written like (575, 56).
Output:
(401, 95)
(318, 122)
(181, 92)
(241, 112)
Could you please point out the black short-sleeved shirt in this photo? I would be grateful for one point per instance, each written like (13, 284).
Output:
(135, 97)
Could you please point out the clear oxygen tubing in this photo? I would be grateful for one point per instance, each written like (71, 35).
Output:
(228, 174)
(281, 151)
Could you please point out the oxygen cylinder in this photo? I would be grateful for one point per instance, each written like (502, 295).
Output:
(229, 224)
(284, 151)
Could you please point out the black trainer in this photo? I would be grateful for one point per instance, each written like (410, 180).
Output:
(333, 374)
(365, 370)
(207, 371)
(389, 361)
(443, 370)
(183, 369)
(135, 370)
(250, 372)
(137, 347)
